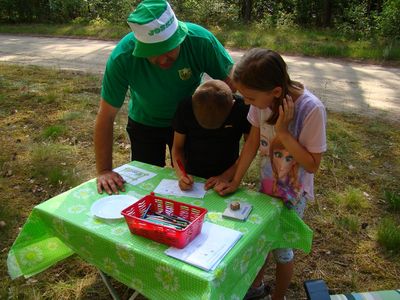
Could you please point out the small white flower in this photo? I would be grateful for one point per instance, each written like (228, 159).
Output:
(120, 230)
(76, 209)
(291, 236)
(125, 254)
(197, 202)
(109, 265)
(83, 193)
(214, 216)
(31, 256)
(254, 219)
(93, 223)
(245, 260)
(165, 275)
(137, 284)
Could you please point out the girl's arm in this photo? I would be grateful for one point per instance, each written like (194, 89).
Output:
(247, 155)
(185, 182)
(309, 161)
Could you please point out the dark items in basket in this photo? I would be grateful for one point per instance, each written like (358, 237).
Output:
(164, 220)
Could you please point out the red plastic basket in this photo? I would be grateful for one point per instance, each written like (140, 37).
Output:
(178, 238)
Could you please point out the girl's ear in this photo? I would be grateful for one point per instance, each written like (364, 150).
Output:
(277, 92)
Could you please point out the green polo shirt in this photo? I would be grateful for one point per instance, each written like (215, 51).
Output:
(154, 92)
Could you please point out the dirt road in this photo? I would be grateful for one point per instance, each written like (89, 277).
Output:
(341, 85)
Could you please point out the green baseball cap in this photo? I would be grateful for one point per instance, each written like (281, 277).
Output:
(156, 28)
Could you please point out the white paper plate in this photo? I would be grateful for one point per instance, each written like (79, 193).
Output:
(110, 207)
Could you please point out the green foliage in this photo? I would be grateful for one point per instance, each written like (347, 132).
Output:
(356, 21)
(389, 235)
(389, 20)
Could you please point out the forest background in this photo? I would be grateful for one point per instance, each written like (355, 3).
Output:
(367, 29)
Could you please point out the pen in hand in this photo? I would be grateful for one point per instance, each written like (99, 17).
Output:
(181, 167)
(186, 182)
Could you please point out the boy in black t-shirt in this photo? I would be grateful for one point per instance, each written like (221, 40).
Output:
(208, 128)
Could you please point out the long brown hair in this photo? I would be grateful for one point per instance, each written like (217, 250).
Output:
(264, 70)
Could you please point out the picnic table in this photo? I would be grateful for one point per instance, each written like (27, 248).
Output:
(63, 226)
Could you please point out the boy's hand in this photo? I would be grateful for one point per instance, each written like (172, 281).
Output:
(225, 188)
(186, 183)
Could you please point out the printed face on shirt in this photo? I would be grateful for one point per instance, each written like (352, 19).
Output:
(166, 60)
(283, 162)
(257, 98)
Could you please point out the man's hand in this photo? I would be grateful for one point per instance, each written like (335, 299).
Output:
(186, 183)
(111, 182)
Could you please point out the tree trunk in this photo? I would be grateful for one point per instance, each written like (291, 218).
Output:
(327, 13)
(246, 7)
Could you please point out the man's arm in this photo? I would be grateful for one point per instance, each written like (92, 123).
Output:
(107, 180)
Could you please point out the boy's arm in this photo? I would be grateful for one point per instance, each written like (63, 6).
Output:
(185, 182)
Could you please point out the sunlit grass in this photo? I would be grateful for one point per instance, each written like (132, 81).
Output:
(310, 42)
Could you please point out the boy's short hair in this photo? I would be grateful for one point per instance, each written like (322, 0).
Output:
(212, 103)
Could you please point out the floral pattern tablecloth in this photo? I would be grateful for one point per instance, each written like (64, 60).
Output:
(63, 226)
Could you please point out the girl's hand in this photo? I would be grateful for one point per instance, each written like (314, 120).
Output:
(286, 114)
(214, 181)
(186, 183)
(225, 188)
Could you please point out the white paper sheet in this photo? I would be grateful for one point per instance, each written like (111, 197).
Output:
(208, 249)
(171, 187)
(134, 175)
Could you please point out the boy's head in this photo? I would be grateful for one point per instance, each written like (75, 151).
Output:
(212, 103)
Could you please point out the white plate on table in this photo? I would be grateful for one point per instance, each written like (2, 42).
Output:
(110, 207)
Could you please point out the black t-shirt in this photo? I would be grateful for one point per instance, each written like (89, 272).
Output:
(209, 152)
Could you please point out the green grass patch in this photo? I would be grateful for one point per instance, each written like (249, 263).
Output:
(54, 131)
(352, 198)
(350, 223)
(389, 235)
(50, 162)
(393, 200)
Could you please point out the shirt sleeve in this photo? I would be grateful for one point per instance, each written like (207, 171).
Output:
(244, 123)
(218, 61)
(115, 83)
(254, 116)
(178, 122)
(313, 134)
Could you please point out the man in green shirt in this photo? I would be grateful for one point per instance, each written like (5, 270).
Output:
(161, 62)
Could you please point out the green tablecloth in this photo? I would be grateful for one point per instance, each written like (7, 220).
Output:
(63, 225)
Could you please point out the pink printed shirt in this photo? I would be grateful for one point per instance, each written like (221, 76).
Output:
(281, 176)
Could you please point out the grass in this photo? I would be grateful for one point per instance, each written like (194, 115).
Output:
(295, 41)
(355, 223)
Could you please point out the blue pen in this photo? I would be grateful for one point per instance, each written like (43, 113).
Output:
(146, 211)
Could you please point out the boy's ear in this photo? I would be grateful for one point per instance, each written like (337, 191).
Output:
(277, 92)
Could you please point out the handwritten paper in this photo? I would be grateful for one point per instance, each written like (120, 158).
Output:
(171, 187)
(134, 175)
(208, 249)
